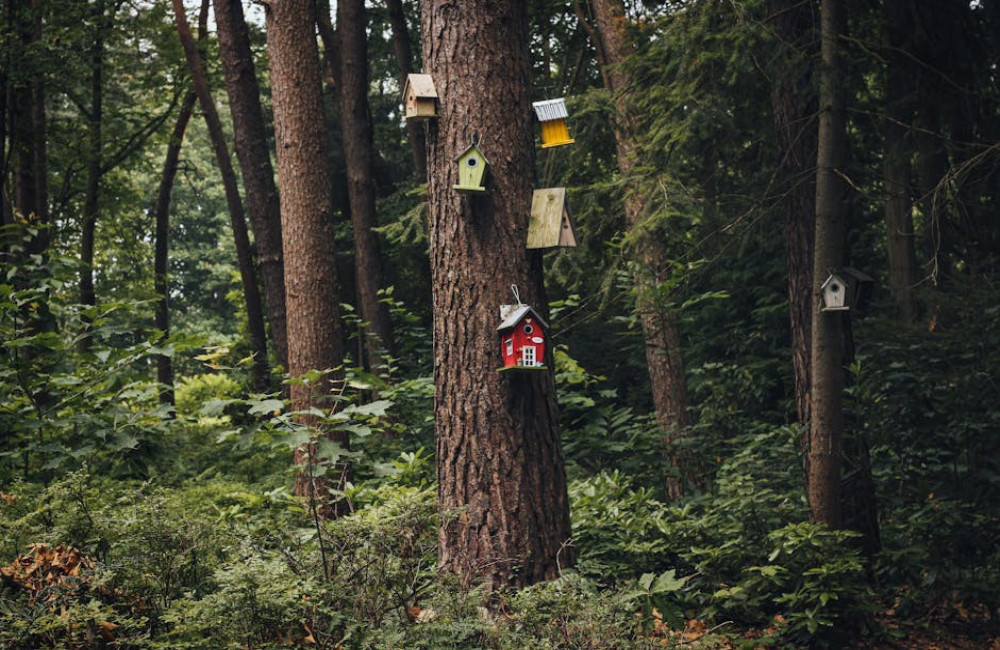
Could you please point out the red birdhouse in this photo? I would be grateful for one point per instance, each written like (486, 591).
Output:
(522, 338)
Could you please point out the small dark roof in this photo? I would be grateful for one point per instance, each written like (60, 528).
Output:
(470, 148)
(514, 317)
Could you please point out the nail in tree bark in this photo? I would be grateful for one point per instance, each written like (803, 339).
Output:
(251, 293)
(356, 125)
(659, 325)
(501, 480)
(311, 293)
(250, 142)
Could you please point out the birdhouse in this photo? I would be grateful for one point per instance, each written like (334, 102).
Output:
(419, 97)
(472, 166)
(552, 114)
(843, 290)
(550, 224)
(522, 338)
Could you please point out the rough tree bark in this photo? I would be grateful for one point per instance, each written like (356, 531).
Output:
(827, 424)
(251, 292)
(404, 58)
(659, 325)
(501, 481)
(793, 101)
(899, 107)
(356, 125)
(161, 250)
(311, 292)
(250, 142)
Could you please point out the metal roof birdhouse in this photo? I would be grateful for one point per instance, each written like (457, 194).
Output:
(550, 224)
(843, 290)
(419, 97)
(552, 114)
(522, 338)
(472, 166)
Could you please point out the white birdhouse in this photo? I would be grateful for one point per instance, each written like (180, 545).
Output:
(842, 290)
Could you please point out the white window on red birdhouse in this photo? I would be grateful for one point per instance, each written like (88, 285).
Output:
(528, 355)
(510, 347)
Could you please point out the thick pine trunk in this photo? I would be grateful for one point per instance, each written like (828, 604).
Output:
(900, 237)
(311, 292)
(250, 142)
(501, 480)
(659, 325)
(793, 101)
(827, 427)
(404, 58)
(161, 217)
(356, 125)
(251, 292)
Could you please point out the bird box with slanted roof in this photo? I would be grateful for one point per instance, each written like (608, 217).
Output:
(550, 224)
(523, 335)
(843, 289)
(472, 166)
(419, 97)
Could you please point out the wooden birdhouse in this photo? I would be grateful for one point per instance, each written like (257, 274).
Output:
(550, 224)
(844, 289)
(472, 166)
(419, 97)
(552, 114)
(522, 338)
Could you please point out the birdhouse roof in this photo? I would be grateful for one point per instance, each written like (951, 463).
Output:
(847, 275)
(470, 148)
(422, 85)
(514, 317)
(551, 109)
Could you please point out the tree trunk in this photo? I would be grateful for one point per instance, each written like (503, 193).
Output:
(404, 57)
(255, 161)
(161, 217)
(356, 125)
(251, 293)
(898, 25)
(311, 292)
(827, 426)
(88, 296)
(501, 480)
(659, 325)
(793, 102)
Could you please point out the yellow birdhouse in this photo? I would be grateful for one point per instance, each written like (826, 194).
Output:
(552, 114)
(550, 224)
(472, 166)
(419, 97)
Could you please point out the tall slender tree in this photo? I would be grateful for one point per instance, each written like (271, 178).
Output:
(404, 58)
(659, 325)
(161, 245)
(793, 102)
(501, 481)
(250, 142)
(897, 151)
(356, 124)
(827, 423)
(311, 291)
(248, 276)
